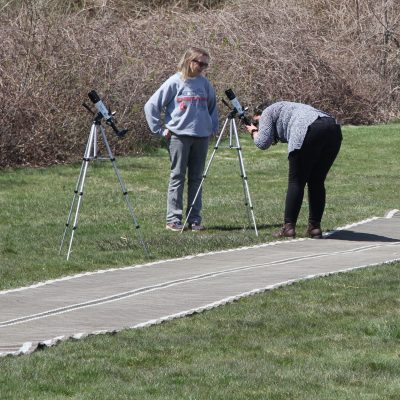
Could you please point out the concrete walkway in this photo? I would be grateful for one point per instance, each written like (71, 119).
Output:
(142, 295)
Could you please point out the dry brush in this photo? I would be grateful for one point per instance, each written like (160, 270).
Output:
(338, 55)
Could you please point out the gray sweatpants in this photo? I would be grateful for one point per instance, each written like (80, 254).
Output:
(185, 152)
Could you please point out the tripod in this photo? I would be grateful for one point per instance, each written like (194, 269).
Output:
(91, 154)
(234, 143)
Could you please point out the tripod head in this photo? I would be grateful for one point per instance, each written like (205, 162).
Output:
(237, 107)
(104, 113)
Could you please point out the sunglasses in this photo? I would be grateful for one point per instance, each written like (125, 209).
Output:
(201, 64)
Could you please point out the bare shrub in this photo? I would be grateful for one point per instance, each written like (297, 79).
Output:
(340, 56)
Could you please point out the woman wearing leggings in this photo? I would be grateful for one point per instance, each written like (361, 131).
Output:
(314, 139)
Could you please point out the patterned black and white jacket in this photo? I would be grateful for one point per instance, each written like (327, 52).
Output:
(286, 122)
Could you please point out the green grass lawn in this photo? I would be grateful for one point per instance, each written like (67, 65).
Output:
(34, 205)
(330, 338)
(323, 339)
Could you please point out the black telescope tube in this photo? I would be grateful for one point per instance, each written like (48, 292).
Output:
(94, 96)
(229, 94)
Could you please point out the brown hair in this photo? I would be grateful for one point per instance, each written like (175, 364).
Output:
(261, 107)
(190, 54)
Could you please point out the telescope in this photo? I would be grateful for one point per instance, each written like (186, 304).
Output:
(105, 113)
(236, 110)
(237, 106)
(91, 154)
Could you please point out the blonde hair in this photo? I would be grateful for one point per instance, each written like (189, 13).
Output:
(190, 54)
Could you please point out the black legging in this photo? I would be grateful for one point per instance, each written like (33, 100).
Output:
(310, 165)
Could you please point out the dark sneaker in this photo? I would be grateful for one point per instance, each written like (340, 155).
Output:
(196, 227)
(174, 226)
(287, 230)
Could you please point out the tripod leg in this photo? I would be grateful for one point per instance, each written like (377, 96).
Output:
(81, 185)
(95, 139)
(236, 146)
(247, 197)
(124, 191)
(72, 207)
(78, 183)
(205, 174)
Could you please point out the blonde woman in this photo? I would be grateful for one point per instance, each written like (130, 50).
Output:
(184, 111)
